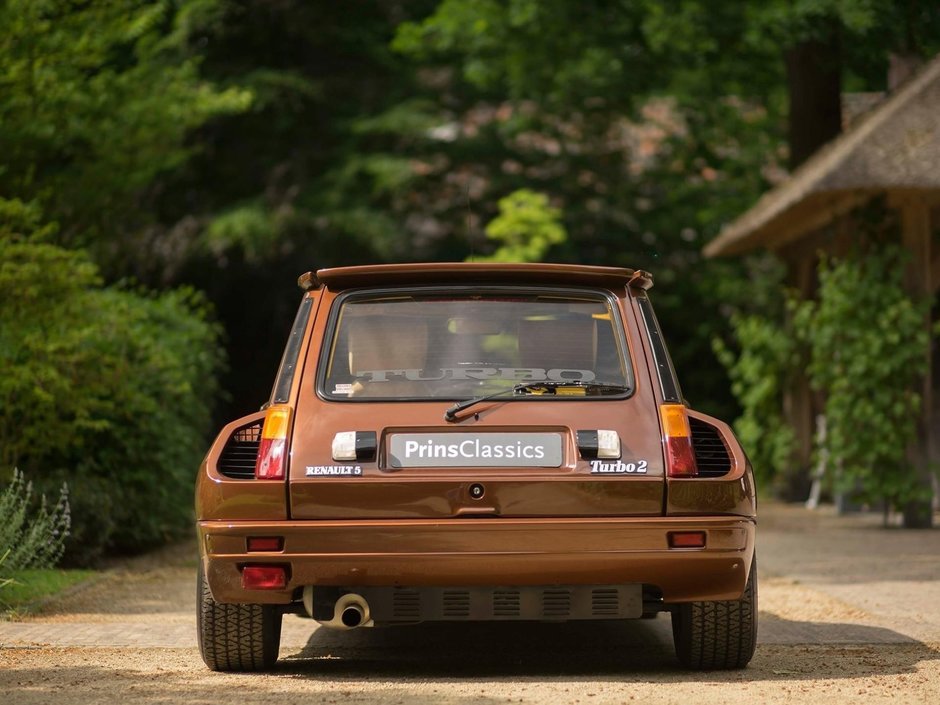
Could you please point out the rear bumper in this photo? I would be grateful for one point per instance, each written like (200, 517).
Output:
(484, 552)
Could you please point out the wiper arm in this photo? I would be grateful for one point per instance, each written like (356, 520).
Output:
(451, 413)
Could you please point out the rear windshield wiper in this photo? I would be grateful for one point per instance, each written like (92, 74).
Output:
(599, 387)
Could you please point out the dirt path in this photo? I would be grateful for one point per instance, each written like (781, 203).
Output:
(849, 611)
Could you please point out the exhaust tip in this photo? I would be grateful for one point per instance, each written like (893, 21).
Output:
(350, 611)
(352, 616)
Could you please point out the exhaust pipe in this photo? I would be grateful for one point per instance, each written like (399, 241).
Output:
(349, 612)
(352, 616)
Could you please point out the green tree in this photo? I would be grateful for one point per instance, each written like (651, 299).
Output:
(97, 100)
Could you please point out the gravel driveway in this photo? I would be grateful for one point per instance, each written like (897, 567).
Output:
(848, 611)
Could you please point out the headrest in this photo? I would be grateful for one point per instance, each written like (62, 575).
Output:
(387, 343)
(565, 343)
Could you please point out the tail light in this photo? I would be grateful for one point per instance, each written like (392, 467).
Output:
(272, 453)
(677, 440)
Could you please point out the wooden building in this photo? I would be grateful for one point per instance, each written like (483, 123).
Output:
(891, 153)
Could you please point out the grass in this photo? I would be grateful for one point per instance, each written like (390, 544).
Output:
(28, 587)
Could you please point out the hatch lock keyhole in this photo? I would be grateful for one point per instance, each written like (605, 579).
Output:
(477, 491)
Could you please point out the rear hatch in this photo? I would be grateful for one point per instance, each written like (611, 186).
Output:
(370, 437)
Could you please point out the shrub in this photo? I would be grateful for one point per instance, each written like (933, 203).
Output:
(109, 388)
(766, 360)
(869, 347)
(26, 541)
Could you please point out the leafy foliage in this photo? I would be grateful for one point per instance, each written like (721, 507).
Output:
(766, 361)
(869, 346)
(606, 53)
(527, 226)
(533, 47)
(108, 387)
(96, 101)
(31, 541)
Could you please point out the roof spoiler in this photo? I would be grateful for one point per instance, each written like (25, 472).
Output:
(308, 281)
(641, 280)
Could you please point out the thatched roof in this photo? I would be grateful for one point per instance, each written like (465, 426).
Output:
(895, 147)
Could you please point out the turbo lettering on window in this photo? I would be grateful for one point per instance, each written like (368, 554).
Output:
(514, 374)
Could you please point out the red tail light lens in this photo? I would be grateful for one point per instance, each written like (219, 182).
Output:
(677, 441)
(272, 460)
(264, 577)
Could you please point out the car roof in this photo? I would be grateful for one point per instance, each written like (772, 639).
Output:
(482, 273)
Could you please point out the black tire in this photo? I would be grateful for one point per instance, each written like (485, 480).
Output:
(717, 635)
(236, 637)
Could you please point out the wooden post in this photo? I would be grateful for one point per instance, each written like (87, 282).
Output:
(916, 237)
(798, 407)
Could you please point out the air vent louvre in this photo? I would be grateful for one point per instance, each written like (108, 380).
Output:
(711, 453)
(455, 603)
(506, 603)
(556, 603)
(406, 604)
(240, 453)
(605, 601)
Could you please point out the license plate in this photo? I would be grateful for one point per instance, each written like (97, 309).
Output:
(466, 450)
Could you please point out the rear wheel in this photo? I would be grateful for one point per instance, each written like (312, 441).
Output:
(720, 634)
(236, 637)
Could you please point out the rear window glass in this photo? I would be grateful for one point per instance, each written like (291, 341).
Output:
(462, 346)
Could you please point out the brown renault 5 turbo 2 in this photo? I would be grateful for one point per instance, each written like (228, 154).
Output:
(473, 442)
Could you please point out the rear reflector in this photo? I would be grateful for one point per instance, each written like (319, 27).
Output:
(264, 577)
(677, 441)
(265, 543)
(272, 462)
(686, 539)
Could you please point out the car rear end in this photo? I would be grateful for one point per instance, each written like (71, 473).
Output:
(573, 483)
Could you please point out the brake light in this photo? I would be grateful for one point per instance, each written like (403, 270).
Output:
(272, 460)
(677, 441)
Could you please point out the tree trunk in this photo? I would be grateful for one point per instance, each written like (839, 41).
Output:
(917, 238)
(814, 81)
